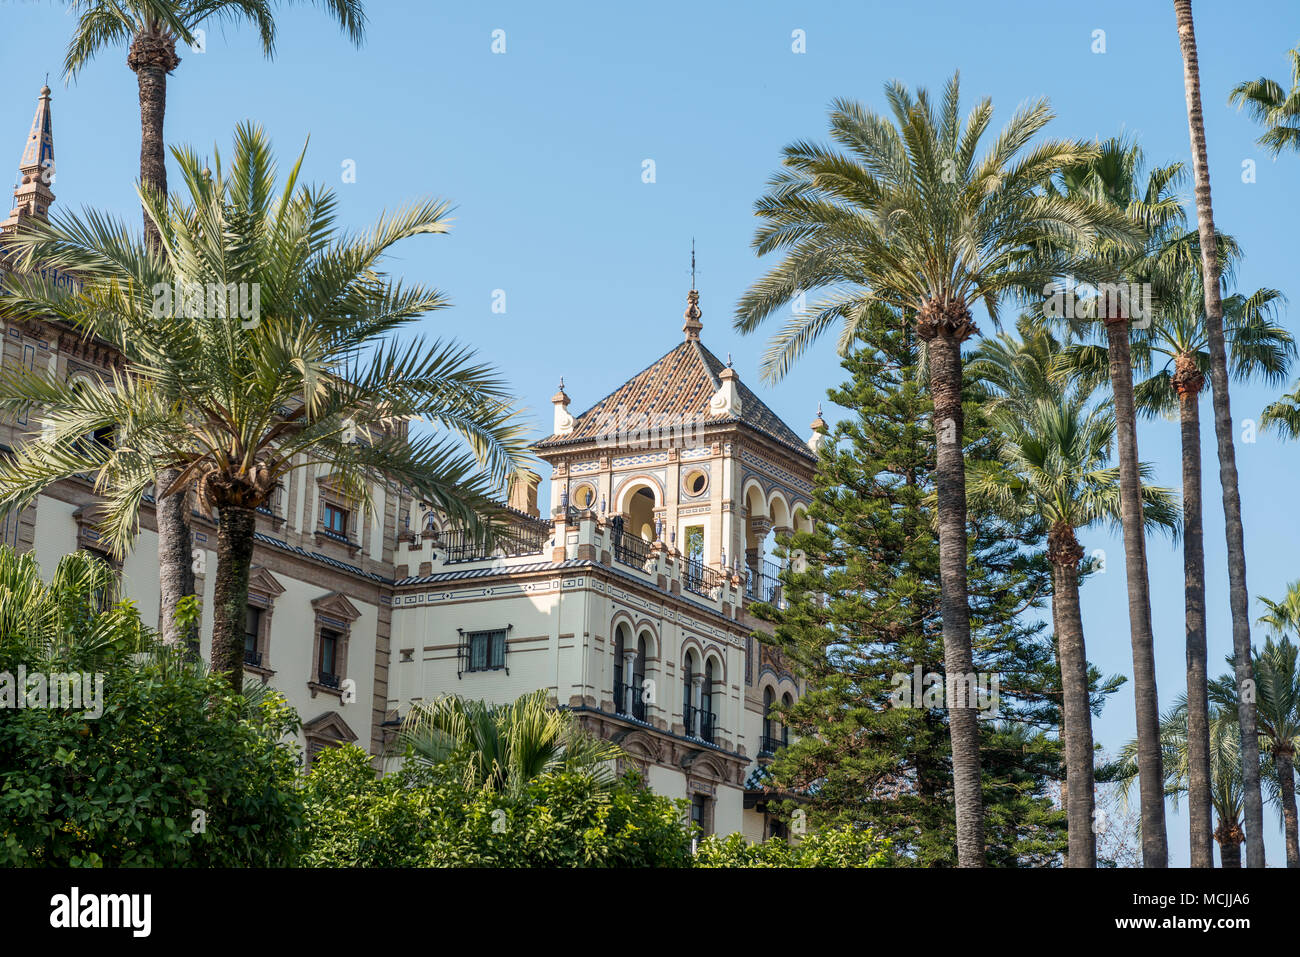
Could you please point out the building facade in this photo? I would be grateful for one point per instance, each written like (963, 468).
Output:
(628, 600)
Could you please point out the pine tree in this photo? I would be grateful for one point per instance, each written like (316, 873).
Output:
(863, 606)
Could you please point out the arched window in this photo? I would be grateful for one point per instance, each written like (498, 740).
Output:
(786, 701)
(707, 717)
(767, 745)
(629, 685)
(688, 682)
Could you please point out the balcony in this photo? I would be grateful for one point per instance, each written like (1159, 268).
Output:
(707, 723)
(699, 578)
(764, 584)
(621, 692)
(459, 546)
(253, 658)
(328, 681)
(632, 551)
(769, 745)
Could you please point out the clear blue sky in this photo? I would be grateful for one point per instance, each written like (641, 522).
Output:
(541, 151)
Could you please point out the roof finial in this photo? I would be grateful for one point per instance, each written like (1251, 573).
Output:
(728, 360)
(692, 326)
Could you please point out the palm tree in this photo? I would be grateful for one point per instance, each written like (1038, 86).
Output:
(1113, 176)
(1052, 448)
(1238, 596)
(152, 28)
(503, 747)
(1275, 108)
(1259, 349)
(908, 214)
(235, 403)
(73, 622)
(1283, 416)
(1226, 796)
(1278, 706)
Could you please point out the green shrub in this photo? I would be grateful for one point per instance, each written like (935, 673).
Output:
(828, 847)
(121, 790)
(424, 816)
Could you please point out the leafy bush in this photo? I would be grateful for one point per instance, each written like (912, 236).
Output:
(122, 790)
(424, 816)
(120, 787)
(828, 847)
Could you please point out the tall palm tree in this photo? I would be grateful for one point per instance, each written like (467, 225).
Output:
(1259, 349)
(1113, 177)
(1226, 796)
(152, 28)
(1275, 108)
(1053, 444)
(503, 747)
(1278, 705)
(235, 403)
(907, 213)
(1238, 596)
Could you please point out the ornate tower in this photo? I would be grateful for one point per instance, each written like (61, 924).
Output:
(686, 455)
(33, 196)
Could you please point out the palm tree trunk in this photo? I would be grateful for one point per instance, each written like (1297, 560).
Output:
(1188, 382)
(945, 333)
(152, 57)
(1061, 729)
(1286, 784)
(234, 563)
(1155, 848)
(1064, 552)
(1229, 838)
(1238, 598)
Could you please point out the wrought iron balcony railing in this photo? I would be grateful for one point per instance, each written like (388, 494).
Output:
(706, 721)
(531, 539)
(699, 578)
(631, 550)
(622, 692)
(764, 583)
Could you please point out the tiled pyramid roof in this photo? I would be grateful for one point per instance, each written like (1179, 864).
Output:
(675, 389)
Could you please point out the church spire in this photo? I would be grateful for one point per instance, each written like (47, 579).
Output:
(692, 326)
(32, 195)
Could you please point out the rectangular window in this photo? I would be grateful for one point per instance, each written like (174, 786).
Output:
(329, 646)
(700, 812)
(336, 520)
(252, 628)
(487, 650)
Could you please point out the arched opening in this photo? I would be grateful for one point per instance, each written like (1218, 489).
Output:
(708, 718)
(786, 701)
(629, 673)
(767, 745)
(690, 711)
(641, 514)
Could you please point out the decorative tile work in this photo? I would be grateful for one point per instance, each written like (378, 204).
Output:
(776, 472)
(673, 394)
(645, 458)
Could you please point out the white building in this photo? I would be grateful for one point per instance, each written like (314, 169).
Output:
(628, 602)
